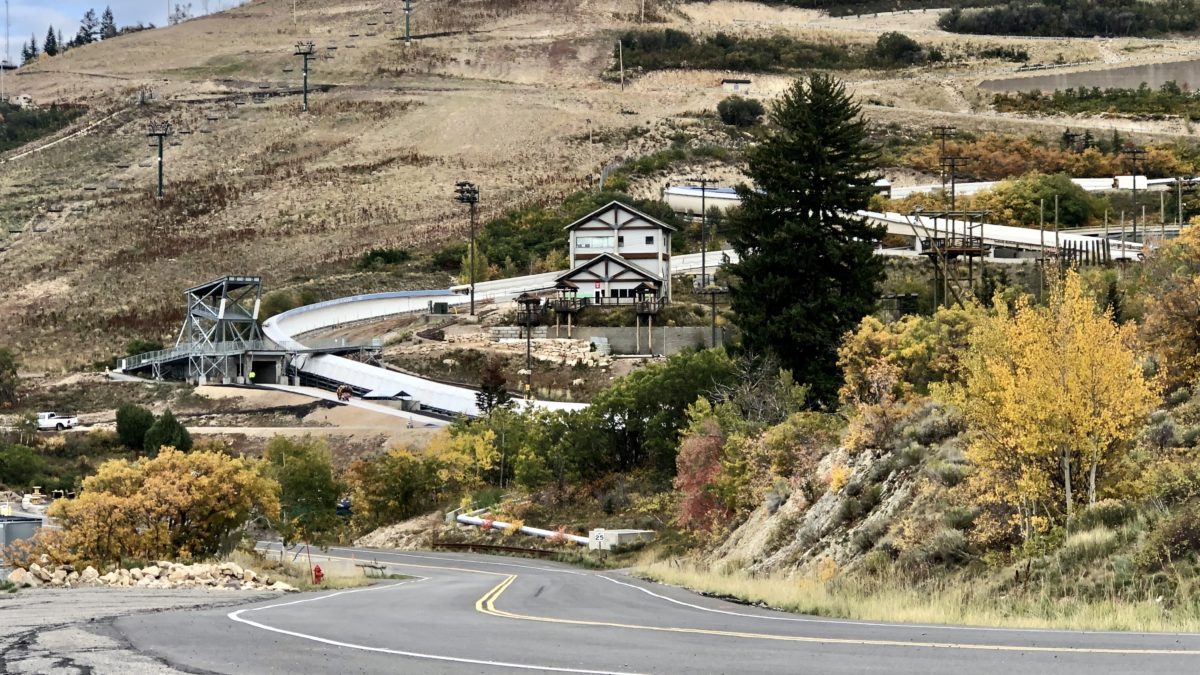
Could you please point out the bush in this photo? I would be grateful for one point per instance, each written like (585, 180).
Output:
(1172, 540)
(133, 421)
(958, 518)
(1111, 513)
(740, 112)
(139, 346)
(20, 466)
(894, 49)
(378, 258)
(167, 432)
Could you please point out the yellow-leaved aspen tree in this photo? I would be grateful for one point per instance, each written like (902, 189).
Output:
(1050, 394)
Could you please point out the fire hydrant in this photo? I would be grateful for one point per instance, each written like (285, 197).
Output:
(318, 575)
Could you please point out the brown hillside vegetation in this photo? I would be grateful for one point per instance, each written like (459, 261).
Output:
(262, 188)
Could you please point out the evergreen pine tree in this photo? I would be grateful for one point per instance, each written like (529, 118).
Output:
(807, 271)
(33, 52)
(167, 431)
(108, 25)
(51, 44)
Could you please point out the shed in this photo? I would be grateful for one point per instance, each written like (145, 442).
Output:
(736, 85)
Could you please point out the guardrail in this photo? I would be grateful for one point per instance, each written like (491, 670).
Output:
(231, 348)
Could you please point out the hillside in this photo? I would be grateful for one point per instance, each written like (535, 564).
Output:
(506, 94)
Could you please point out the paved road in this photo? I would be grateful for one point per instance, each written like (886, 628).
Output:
(480, 614)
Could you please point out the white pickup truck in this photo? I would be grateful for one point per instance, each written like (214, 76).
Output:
(48, 421)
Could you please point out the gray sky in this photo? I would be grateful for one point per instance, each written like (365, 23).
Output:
(33, 17)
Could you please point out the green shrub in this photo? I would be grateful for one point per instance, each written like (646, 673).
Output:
(1173, 540)
(947, 473)
(947, 547)
(894, 49)
(139, 346)
(1111, 513)
(20, 466)
(740, 112)
(864, 537)
(378, 258)
(958, 517)
(133, 421)
(167, 432)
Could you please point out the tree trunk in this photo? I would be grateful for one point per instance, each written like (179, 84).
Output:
(1092, 474)
(1066, 467)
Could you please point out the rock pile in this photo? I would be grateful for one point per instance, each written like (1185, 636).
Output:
(219, 576)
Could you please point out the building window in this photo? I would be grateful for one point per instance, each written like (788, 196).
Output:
(620, 241)
(593, 242)
(650, 239)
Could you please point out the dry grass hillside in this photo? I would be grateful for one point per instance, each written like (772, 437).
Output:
(501, 92)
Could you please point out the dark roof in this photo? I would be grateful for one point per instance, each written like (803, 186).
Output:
(614, 203)
(734, 81)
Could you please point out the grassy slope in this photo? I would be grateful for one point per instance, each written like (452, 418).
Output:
(293, 198)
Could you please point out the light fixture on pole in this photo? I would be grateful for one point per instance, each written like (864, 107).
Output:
(160, 130)
(703, 181)
(466, 192)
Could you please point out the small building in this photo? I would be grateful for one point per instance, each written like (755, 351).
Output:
(735, 86)
(619, 255)
(22, 101)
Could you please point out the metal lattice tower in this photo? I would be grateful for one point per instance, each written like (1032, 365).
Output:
(222, 318)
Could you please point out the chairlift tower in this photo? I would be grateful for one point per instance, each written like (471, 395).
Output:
(953, 242)
(160, 131)
(407, 23)
(466, 192)
(306, 51)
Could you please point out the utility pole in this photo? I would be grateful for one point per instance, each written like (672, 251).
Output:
(160, 130)
(703, 181)
(306, 51)
(943, 131)
(1134, 154)
(621, 58)
(953, 162)
(466, 192)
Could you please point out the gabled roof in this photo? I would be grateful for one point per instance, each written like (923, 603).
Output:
(592, 262)
(621, 205)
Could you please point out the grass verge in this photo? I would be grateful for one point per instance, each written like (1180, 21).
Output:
(296, 574)
(965, 603)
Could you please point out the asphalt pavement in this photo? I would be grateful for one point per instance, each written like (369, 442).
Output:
(462, 613)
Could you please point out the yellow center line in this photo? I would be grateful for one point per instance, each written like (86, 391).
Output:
(487, 605)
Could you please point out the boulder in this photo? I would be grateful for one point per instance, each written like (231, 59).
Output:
(231, 569)
(39, 572)
(152, 571)
(177, 575)
(135, 574)
(249, 576)
(20, 577)
(145, 581)
(59, 576)
(286, 588)
(89, 574)
(109, 578)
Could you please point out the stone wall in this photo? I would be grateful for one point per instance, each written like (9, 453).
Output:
(667, 340)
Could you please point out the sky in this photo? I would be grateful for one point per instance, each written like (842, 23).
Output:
(33, 17)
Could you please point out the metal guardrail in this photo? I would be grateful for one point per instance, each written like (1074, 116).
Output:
(494, 548)
(232, 348)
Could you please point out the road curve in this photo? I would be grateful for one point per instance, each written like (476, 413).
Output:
(481, 614)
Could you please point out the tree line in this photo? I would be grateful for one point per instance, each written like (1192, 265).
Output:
(1076, 18)
(673, 49)
(1168, 99)
(91, 29)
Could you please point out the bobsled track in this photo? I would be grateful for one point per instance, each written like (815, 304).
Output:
(1004, 244)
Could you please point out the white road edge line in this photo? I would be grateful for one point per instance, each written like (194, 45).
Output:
(852, 622)
(237, 617)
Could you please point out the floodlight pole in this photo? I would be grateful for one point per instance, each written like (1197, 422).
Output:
(160, 130)
(306, 51)
(467, 192)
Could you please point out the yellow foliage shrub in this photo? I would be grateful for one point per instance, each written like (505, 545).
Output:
(839, 475)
